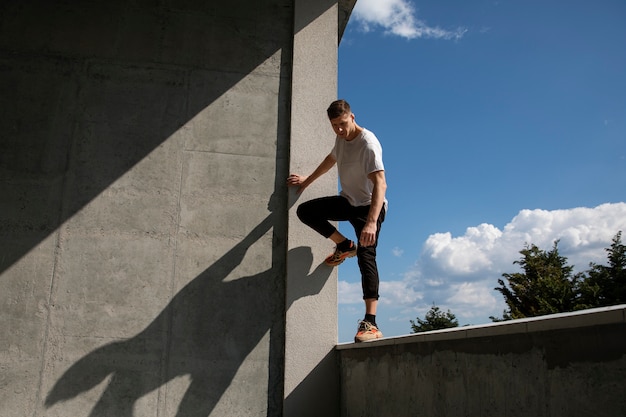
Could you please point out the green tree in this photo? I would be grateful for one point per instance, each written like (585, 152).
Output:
(435, 319)
(545, 286)
(606, 285)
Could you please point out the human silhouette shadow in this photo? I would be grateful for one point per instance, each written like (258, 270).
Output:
(205, 332)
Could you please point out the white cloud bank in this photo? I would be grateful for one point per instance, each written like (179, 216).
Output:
(460, 273)
(398, 17)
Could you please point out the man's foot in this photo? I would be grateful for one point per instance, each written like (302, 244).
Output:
(367, 331)
(339, 255)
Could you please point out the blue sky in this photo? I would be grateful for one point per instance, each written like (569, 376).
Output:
(502, 123)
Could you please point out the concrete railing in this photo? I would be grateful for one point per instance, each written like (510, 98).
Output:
(562, 365)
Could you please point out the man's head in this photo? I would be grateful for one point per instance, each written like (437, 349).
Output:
(342, 119)
(338, 108)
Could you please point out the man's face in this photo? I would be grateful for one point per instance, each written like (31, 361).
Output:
(344, 125)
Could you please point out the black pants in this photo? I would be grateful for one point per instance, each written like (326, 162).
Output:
(318, 213)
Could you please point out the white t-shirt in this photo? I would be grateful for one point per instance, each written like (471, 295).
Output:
(356, 159)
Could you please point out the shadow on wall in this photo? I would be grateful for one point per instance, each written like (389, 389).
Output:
(205, 342)
(89, 89)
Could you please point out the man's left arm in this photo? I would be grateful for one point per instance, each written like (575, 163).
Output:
(368, 235)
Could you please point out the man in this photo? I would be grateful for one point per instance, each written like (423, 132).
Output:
(358, 155)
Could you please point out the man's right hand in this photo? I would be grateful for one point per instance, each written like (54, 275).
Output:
(295, 180)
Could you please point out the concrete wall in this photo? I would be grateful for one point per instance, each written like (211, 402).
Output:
(144, 214)
(565, 365)
(311, 377)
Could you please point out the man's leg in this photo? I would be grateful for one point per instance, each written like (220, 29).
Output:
(371, 305)
(370, 280)
(317, 213)
(337, 237)
(366, 256)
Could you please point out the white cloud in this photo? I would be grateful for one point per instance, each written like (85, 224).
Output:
(465, 254)
(583, 233)
(460, 273)
(399, 293)
(397, 252)
(471, 299)
(396, 292)
(398, 17)
(349, 292)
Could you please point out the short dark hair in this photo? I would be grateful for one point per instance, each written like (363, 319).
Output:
(338, 108)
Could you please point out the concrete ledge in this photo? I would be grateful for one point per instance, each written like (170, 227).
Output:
(585, 318)
(571, 364)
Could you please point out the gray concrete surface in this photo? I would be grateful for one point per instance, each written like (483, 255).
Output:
(144, 240)
(311, 377)
(564, 365)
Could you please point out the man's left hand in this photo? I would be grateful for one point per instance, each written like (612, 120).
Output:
(368, 234)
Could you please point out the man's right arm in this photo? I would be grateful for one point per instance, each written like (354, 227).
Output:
(302, 181)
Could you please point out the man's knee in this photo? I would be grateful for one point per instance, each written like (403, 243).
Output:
(302, 212)
(367, 254)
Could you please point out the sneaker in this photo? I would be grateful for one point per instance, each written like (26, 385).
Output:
(339, 256)
(367, 331)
